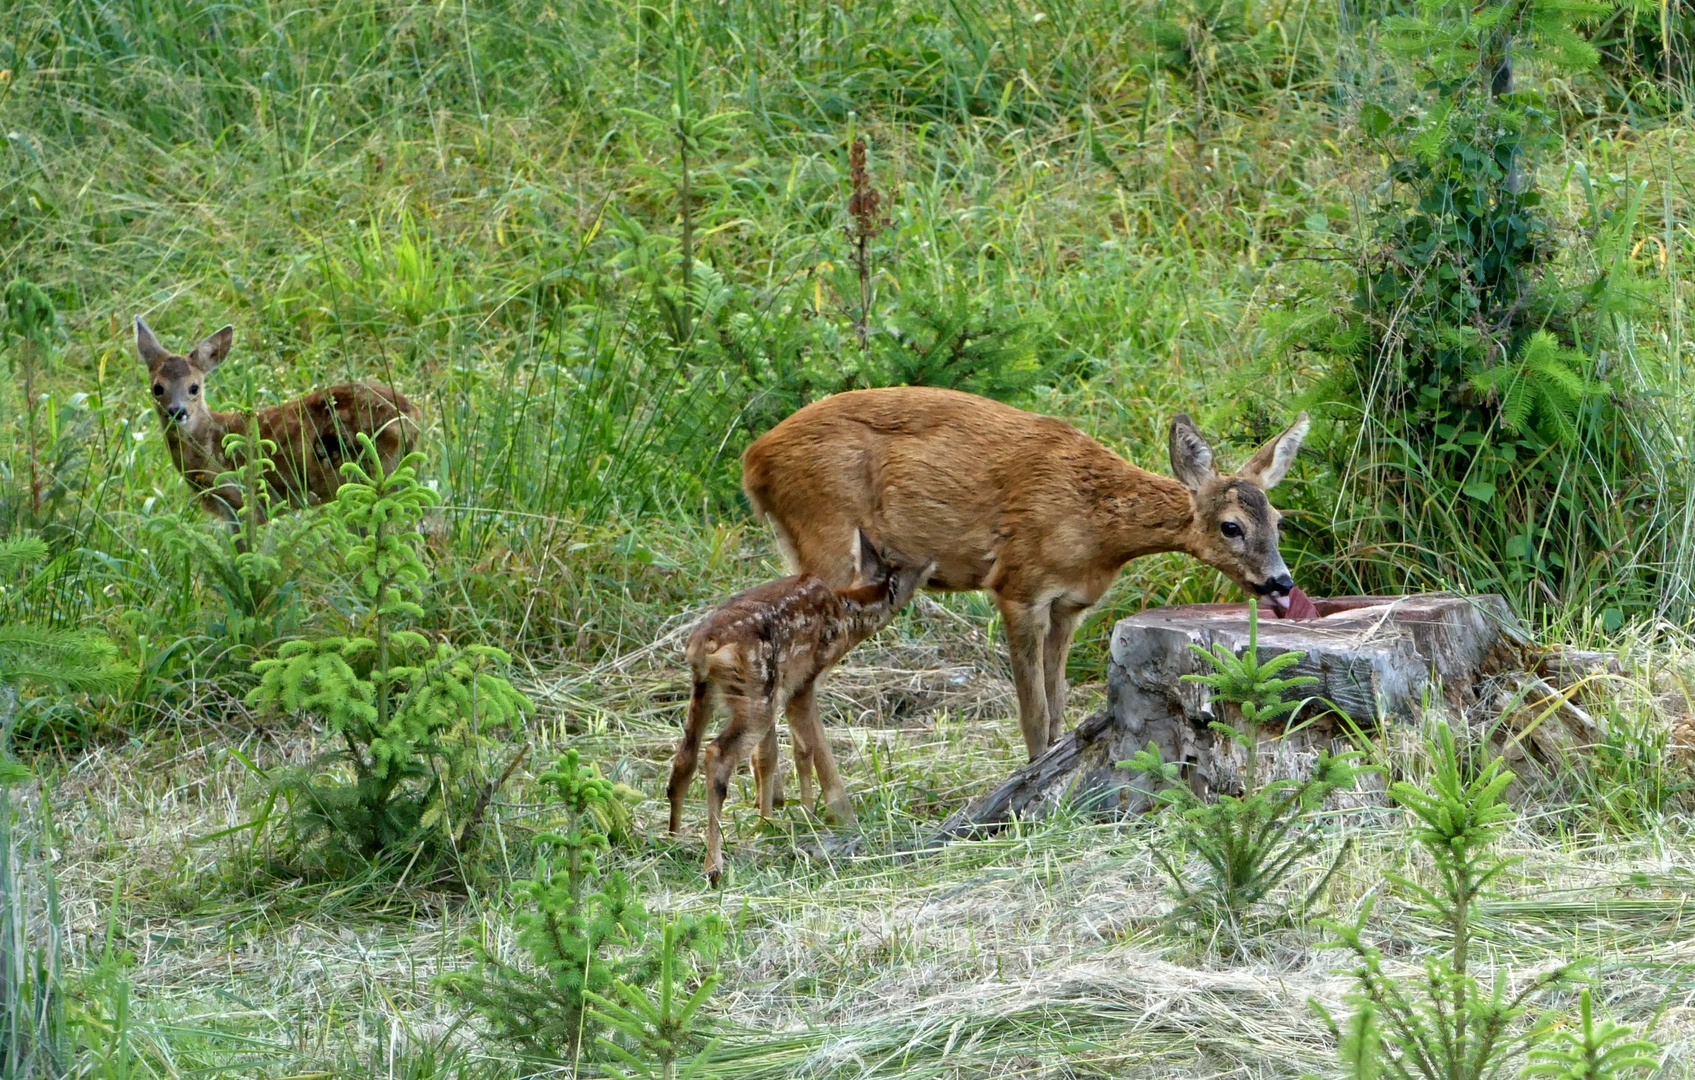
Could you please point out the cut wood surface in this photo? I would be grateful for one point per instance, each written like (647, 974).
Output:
(1378, 661)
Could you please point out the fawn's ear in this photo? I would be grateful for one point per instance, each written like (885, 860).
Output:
(867, 560)
(210, 353)
(1270, 463)
(1191, 456)
(147, 345)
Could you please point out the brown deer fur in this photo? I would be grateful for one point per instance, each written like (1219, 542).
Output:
(765, 649)
(1021, 504)
(314, 435)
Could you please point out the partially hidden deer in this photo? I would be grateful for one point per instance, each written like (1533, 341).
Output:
(764, 650)
(1021, 504)
(314, 435)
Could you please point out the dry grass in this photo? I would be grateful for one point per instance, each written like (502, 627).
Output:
(1037, 953)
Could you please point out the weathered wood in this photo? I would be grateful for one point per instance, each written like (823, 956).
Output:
(1564, 667)
(1038, 782)
(1378, 660)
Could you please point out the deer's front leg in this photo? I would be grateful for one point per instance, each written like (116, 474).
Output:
(804, 721)
(1026, 638)
(1056, 649)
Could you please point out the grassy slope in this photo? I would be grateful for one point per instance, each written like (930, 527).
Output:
(462, 199)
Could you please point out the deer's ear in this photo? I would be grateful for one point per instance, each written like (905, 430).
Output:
(867, 560)
(1191, 456)
(1270, 463)
(147, 345)
(210, 353)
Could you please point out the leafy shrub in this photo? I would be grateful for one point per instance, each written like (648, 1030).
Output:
(412, 717)
(1251, 843)
(1475, 421)
(1446, 1023)
(582, 934)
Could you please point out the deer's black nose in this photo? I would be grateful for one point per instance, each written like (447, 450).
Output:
(177, 413)
(1279, 585)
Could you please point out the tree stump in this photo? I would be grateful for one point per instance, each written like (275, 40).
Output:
(1379, 661)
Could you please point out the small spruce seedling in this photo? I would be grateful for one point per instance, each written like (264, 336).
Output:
(1252, 843)
(412, 717)
(580, 933)
(657, 1033)
(1446, 1024)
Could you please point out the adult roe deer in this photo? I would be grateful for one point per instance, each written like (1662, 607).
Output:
(314, 435)
(1024, 505)
(765, 649)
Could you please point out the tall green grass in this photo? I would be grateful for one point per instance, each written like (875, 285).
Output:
(466, 200)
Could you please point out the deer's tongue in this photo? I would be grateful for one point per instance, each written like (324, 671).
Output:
(1297, 605)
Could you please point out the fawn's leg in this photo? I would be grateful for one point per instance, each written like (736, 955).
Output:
(723, 754)
(767, 780)
(836, 799)
(683, 764)
(1026, 633)
(801, 739)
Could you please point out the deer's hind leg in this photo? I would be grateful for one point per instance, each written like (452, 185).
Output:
(803, 741)
(687, 757)
(749, 720)
(767, 780)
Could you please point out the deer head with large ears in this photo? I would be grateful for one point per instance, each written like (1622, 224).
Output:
(1235, 527)
(179, 380)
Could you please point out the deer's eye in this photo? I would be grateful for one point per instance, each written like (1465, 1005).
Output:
(158, 390)
(1231, 529)
(194, 388)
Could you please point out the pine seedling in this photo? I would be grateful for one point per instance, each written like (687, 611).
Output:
(1250, 689)
(1595, 1051)
(255, 568)
(412, 716)
(1446, 1024)
(1250, 844)
(657, 1033)
(579, 931)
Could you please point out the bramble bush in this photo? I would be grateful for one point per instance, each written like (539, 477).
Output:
(1471, 408)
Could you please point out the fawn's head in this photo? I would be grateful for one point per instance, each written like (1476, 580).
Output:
(179, 381)
(899, 575)
(1235, 525)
